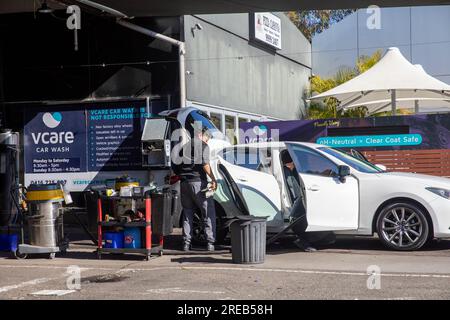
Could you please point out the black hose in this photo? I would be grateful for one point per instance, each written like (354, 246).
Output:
(286, 229)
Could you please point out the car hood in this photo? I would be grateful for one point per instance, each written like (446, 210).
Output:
(431, 181)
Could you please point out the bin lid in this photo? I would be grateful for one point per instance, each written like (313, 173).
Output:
(250, 218)
(246, 219)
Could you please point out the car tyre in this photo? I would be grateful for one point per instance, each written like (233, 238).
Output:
(403, 226)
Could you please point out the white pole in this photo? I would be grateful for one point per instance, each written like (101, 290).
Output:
(416, 106)
(182, 70)
(394, 102)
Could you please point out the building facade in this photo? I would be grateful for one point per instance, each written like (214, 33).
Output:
(80, 106)
(225, 69)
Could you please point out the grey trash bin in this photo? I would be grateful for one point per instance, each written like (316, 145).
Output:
(248, 240)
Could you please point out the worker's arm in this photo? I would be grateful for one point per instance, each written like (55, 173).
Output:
(210, 174)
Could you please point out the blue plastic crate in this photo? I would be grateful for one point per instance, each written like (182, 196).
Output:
(132, 238)
(113, 240)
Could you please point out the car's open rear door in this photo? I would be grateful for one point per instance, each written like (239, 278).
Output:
(259, 190)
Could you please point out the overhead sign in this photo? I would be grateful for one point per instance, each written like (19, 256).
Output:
(84, 145)
(267, 29)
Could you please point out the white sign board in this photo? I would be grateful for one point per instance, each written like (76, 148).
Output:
(268, 29)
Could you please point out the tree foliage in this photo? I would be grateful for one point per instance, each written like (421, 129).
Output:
(313, 22)
(330, 107)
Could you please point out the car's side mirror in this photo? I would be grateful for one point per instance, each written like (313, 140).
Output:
(343, 172)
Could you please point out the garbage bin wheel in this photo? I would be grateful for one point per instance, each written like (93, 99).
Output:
(199, 236)
(18, 255)
(52, 255)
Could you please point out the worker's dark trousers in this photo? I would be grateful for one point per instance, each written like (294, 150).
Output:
(193, 199)
(299, 210)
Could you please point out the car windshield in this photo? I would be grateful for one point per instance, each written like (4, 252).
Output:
(353, 162)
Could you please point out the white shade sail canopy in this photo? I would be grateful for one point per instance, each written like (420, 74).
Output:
(422, 104)
(393, 79)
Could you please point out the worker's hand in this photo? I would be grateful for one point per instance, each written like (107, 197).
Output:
(213, 185)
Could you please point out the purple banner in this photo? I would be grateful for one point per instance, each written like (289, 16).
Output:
(433, 128)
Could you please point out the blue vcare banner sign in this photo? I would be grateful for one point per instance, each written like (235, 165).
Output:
(85, 144)
(372, 141)
(54, 141)
(115, 138)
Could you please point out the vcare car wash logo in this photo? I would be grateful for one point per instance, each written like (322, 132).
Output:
(52, 120)
(260, 130)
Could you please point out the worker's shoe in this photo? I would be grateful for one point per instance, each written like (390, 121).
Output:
(210, 247)
(186, 246)
(304, 245)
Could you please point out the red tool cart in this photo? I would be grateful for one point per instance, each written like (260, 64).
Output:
(148, 248)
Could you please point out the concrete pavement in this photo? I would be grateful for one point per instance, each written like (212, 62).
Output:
(337, 272)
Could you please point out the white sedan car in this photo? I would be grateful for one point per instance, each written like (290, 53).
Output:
(341, 193)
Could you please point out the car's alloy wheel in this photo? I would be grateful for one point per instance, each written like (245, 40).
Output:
(402, 226)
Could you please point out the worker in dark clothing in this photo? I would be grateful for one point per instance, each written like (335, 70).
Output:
(298, 208)
(194, 173)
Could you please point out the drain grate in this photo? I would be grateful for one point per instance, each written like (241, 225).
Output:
(105, 278)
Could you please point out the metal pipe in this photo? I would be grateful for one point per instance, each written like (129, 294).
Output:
(416, 106)
(149, 33)
(354, 99)
(380, 108)
(394, 102)
(102, 8)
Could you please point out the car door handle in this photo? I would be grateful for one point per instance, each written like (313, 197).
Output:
(314, 187)
(242, 178)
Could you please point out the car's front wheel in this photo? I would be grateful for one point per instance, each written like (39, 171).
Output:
(403, 226)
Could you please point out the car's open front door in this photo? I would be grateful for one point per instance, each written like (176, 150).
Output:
(331, 203)
(258, 190)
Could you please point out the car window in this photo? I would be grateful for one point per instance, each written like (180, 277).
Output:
(249, 158)
(360, 165)
(312, 162)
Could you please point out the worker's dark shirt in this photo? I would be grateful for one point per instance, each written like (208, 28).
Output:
(195, 156)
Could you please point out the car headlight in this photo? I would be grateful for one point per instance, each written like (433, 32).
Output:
(445, 193)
